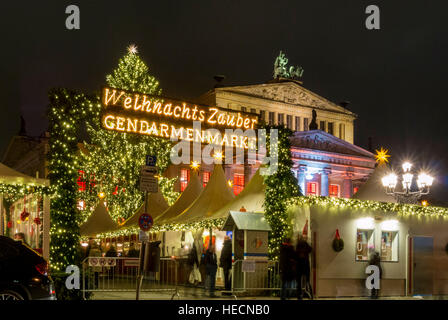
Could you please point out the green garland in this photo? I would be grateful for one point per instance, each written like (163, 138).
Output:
(405, 210)
(204, 224)
(280, 186)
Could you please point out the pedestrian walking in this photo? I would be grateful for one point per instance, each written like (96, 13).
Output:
(287, 267)
(211, 266)
(225, 262)
(375, 260)
(303, 250)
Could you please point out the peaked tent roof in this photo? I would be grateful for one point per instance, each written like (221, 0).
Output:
(11, 176)
(252, 198)
(191, 193)
(99, 221)
(156, 206)
(214, 196)
(373, 189)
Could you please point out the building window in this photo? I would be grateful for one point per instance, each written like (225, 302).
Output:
(305, 124)
(312, 188)
(184, 178)
(365, 244)
(334, 190)
(205, 178)
(342, 131)
(389, 246)
(262, 115)
(297, 124)
(289, 121)
(243, 109)
(330, 128)
(271, 118)
(322, 125)
(253, 110)
(281, 118)
(238, 183)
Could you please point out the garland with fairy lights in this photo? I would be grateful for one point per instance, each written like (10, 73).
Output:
(403, 210)
(280, 186)
(204, 224)
(109, 155)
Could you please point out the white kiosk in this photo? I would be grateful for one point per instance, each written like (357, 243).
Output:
(249, 250)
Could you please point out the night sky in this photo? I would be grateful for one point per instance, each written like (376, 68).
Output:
(395, 78)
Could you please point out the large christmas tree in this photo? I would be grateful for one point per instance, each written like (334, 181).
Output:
(108, 163)
(114, 159)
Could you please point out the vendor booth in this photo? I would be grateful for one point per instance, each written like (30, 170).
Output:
(25, 209)
(249, 248)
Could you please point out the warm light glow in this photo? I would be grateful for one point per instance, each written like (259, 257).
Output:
(84, 244)
(132, 49)
(425, 203)
(218, 155)
(382, 156)
(365, 223)
(101, 195)
(230, 183)
(390, 225)
(407, 180)
(389, 181)
(407, 166)
(424, 180)
(194, 165)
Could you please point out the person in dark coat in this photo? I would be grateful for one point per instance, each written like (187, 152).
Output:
(225, 261)
(303, 250)
(375, 260)
(287, 267)
(112, 252)
(211, 266)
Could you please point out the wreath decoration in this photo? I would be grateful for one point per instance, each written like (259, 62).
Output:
(338, 243)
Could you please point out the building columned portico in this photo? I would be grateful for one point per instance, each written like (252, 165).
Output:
(328, 166)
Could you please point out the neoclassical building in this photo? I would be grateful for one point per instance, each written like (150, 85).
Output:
(326, 161)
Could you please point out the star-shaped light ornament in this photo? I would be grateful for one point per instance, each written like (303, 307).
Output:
(382, 156)
(132, 49)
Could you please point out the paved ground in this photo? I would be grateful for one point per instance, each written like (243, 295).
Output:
(190, 294)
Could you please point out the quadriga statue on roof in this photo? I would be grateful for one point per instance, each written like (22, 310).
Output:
(281, 70)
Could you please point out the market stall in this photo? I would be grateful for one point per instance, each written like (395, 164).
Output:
(25, 208)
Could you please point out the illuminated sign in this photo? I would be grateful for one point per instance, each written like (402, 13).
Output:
(138, 113)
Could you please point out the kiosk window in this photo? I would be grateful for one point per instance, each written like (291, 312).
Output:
(389, 246)
(365, 244)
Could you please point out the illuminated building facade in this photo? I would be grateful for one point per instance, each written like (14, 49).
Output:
(326, 162)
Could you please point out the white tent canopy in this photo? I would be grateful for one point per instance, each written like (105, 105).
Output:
(215, 195)
(11, 176)
(191, 193)
(99, 221)
(251, 198)
(156, 206)
(373, 189)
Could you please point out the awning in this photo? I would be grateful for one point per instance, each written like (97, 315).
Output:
(11, 176)
(254, 221)
(156, 206)
(190, 194)
(99, 221)
(215, 195)
(251, 198)
(373, 189)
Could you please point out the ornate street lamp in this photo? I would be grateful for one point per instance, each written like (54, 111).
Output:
(424, 182)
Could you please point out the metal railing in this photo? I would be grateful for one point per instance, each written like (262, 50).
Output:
(255, 275)
(103, 274)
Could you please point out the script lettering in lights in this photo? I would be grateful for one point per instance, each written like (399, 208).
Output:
(149, 107)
